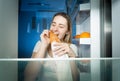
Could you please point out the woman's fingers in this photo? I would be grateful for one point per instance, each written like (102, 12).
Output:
(61, 49)
(45, 37)
(45, 33)
(58, 50)
(61, 53)
(58, 46)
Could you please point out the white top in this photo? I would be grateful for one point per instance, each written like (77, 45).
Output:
(72, 46)
(55, 70)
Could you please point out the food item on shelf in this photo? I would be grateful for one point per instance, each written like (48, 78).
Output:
(83, 35)
(77, 36)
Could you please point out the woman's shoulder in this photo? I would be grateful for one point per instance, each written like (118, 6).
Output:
(38, 42)
(74, 48)
(37, 45)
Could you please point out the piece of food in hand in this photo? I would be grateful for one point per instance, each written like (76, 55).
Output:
(53, 37)
(53, 40)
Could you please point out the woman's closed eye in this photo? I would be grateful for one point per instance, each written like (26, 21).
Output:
(53, 25)
(61, 26)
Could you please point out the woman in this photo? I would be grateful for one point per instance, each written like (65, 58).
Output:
(60, 26)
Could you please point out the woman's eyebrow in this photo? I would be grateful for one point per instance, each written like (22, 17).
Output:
(54, 22)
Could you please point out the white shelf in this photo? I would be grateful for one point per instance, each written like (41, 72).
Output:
(85, 6)
(84, 41)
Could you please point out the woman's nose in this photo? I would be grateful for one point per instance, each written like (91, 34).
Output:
(55, 28)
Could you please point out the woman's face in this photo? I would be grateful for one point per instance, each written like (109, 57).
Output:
(59, 26)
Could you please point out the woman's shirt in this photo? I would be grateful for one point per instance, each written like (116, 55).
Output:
(54, 70)
(38, 45)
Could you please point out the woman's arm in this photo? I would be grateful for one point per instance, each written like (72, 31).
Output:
(41, 52)
(34, 67)
(75, 71)
(31, 71)
(43, 45)
(71, 53)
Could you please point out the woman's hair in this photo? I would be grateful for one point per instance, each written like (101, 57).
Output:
(67, 37)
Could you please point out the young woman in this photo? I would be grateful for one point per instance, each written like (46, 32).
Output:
(60, 26)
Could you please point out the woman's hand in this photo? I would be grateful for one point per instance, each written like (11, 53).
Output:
(63, 48)
(45, 39)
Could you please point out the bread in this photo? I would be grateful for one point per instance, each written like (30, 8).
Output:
(53, 37)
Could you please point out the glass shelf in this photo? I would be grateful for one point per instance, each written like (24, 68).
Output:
(90, 69)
